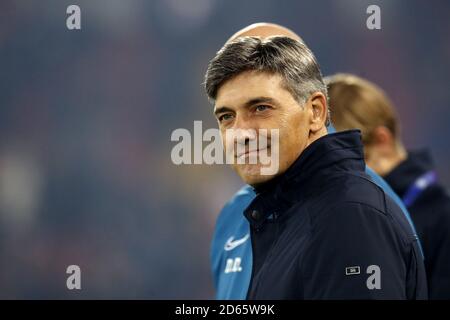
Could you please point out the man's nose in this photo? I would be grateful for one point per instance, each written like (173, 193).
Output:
(244, 131)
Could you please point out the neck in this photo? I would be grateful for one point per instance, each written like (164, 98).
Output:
(390, 161)
(312, 137)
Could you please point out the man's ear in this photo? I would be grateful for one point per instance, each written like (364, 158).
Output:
(382, 136)
(319, 110)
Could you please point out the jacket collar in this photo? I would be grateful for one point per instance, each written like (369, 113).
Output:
(342, 151)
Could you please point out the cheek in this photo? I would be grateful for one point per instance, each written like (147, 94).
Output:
(294, 129)
(223, 136)
(293, 138)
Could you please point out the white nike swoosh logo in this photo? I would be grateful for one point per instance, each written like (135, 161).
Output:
(230, 244)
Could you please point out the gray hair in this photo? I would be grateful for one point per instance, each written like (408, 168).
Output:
(291, 59)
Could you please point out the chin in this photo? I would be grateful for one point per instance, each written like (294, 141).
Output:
(251, 174)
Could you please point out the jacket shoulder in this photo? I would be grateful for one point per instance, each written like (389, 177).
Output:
(356, 195)
(237, 204)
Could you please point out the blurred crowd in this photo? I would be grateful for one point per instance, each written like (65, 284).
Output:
(86, 117)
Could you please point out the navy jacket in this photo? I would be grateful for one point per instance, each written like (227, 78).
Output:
(429, 206)
(324, 230)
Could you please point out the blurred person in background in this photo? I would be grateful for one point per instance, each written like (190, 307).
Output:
(231, 250)
(358, 103)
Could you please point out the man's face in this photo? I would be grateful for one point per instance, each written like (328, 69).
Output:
(252, 101)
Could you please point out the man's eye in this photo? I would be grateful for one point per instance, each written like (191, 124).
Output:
(225, 117)
(261, 107)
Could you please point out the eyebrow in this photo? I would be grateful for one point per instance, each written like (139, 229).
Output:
(247, 104)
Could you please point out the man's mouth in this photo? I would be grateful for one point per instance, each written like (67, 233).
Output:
(251, 153)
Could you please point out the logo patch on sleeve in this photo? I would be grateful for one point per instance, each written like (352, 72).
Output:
(350, 271)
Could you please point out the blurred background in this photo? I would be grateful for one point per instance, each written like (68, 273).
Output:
(86, 118)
